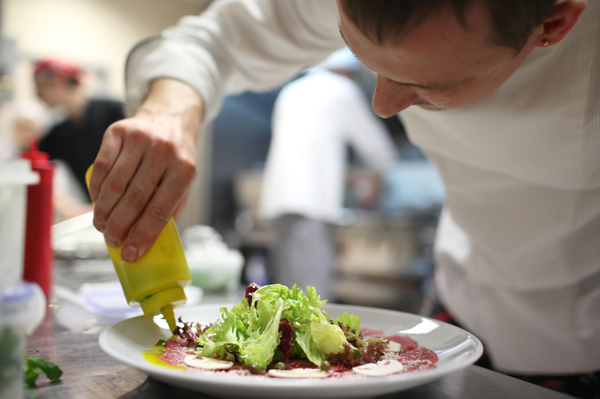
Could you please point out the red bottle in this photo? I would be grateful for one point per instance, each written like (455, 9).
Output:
(38, 241)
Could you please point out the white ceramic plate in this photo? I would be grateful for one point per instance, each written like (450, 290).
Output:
(456, 348)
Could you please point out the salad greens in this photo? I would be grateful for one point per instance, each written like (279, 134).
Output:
(254, 331)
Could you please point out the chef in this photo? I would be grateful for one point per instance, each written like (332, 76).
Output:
(502, 96)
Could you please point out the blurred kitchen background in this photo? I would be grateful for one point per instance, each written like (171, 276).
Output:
(383, 250)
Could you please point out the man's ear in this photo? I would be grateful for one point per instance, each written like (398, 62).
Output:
(560, 21)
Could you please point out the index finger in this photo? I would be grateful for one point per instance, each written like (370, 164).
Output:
(105, 160)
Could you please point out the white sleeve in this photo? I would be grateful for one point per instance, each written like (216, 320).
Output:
(236, 45)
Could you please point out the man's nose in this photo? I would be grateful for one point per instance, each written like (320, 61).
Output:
(390, 97)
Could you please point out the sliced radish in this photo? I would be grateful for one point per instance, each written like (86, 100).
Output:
(383, 367)
(298, 373)
(207, 363)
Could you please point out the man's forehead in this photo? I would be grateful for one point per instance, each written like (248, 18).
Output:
(429, 85)
(439, 44)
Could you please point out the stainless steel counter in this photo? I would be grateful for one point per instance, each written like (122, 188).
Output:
(89, 373)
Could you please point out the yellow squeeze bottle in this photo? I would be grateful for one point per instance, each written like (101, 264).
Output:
(156, 281)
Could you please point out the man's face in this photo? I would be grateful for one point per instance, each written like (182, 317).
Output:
(438, 65)
(52, 92)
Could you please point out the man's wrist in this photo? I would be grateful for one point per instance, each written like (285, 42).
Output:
(171, 100)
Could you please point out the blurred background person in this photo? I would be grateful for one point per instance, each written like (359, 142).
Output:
(73, 142)
(29, 123)
(76, 140)
(316, 117)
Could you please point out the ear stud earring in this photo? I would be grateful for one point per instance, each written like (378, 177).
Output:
(546, 43)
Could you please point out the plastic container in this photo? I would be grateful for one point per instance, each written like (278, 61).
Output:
(156, 281)
(15, 175)
(40, 215)
(213, 266)
(22, 308)
(102, 304)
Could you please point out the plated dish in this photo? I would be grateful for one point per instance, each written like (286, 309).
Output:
(281, 332)
(126, 341)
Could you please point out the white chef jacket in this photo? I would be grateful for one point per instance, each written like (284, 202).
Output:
(314, 118)
(518, 247)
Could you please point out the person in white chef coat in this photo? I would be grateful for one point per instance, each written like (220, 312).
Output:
(315, 118)
(501, 95)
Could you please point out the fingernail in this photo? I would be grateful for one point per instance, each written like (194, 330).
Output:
(129, 253)
(100, 226)
(111, 241)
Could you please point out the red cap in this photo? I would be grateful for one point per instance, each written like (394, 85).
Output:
(33, 153)
(52, 68)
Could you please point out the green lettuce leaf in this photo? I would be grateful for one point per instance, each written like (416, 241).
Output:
(228, 333)
(350, 321)
(251, 333)
(306, 345)
(263, 334)
(329, 338)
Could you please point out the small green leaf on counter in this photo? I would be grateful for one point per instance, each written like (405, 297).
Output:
(34, 366)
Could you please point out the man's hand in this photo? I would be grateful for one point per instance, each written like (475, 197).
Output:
(145, 168)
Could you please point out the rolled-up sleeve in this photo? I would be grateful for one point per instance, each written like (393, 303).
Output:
(236, 45)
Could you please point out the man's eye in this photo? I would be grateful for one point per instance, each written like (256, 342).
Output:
(445, 88)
